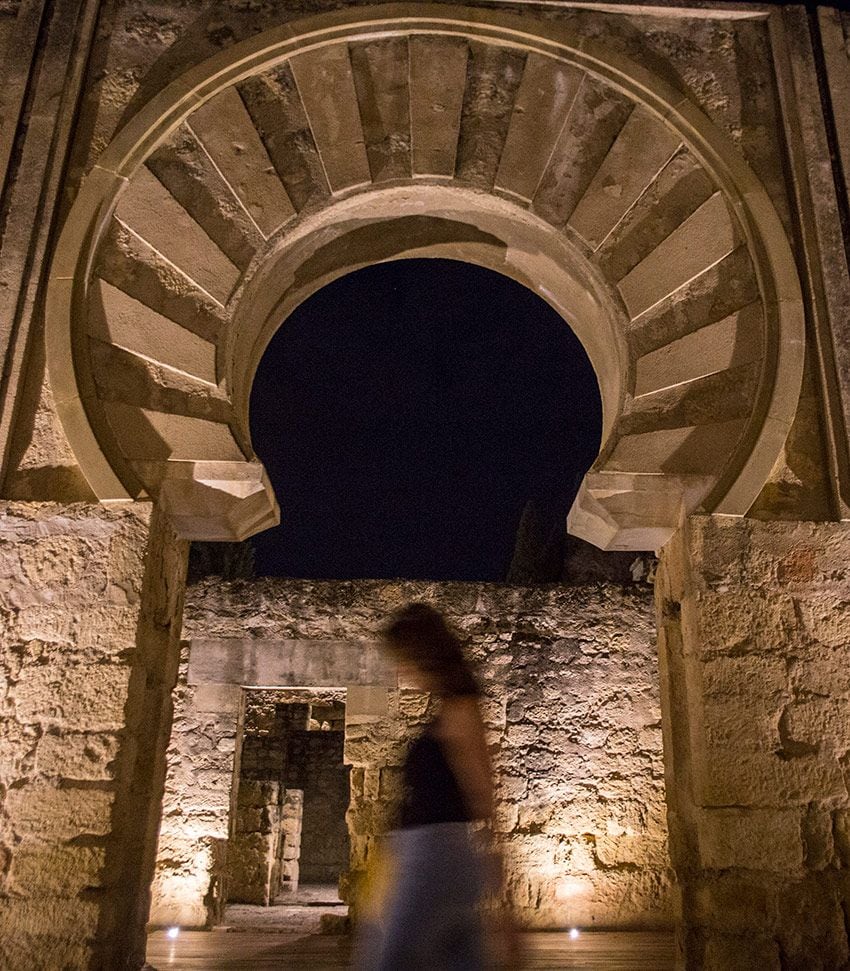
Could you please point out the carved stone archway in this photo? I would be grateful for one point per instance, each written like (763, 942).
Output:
(410, 130)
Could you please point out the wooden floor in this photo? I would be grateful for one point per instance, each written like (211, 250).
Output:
(257, 951)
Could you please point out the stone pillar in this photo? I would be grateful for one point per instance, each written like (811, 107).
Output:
(188, 888)
(91, 600)
(254, 847)
(291, 819)
(755, 670)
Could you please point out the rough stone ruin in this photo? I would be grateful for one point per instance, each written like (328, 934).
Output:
(571, 704)
(175, 179)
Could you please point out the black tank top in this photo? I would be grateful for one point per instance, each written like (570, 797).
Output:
(431, 791)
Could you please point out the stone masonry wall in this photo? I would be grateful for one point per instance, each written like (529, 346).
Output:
(253, 852)
(188, 886)
(755, 659)
(285, 762)
(316, 768)
(90, 612)
(572, 708)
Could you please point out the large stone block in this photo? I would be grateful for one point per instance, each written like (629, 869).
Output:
(52, 934)
(45, 869)
(86, 756)
(49, 813)
(89, 697)
(754, 839)
(821, 723)
(83, 740)
(768, 779)
(756, 698)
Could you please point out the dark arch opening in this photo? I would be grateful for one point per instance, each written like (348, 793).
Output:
(411, 415)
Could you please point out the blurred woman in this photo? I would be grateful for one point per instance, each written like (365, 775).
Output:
(430, 919)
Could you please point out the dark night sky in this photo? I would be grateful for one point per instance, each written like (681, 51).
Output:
(407, 412)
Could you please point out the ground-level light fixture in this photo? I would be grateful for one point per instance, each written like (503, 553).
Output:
(172, 933)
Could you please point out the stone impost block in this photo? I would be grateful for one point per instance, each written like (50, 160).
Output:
(221, 699)
(365, 704)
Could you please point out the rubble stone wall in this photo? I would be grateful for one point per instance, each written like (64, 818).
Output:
(316, 768)
(287, 766)
(572, 707)
(90, 601)
(755, 660)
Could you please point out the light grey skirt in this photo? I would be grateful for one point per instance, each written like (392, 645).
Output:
(431, 919)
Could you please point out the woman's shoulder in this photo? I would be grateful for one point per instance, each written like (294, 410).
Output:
(458, 713)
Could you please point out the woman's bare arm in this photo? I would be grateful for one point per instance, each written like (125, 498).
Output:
(461, 730)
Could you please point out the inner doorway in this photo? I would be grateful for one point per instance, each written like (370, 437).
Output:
(288, 849)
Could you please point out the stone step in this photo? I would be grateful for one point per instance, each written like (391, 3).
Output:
(732, 341)
(542, 108)
(492, 82)
(722, 396)
(184, 167)
(130, 264)
(145, 434)
(149, 210)
(437, 84)
(722, 289)
(132, 379)
(596, 119)
(701, 241)
(125, 322)
(692, 450)
(678, 190)
(642, 149)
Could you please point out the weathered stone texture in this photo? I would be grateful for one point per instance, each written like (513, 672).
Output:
(755, 654)
(188, 882)
(293, 792)
(252, 854)
(315, 767)
(91, 601)
(572, 708)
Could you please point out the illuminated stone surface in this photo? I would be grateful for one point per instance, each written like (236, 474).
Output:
(246, 951)
(755, 660)
(678, 277)
(573, 714)
(91, 602)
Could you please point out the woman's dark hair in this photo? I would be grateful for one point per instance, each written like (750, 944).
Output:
(418, 633)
